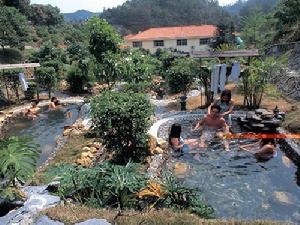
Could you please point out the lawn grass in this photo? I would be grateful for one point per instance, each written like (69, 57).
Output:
(71, 214)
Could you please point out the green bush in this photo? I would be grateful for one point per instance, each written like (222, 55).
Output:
(80, 76)
(56, 64)
(46, 78)
(180, 75)
(101, 186)
(141, 87)
(125, 187)
(10, 56)
(31, 91)
(122, 121)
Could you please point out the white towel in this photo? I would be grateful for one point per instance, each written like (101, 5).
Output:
(215, 79)
(23, 81)
(235, 72)
(223, 77)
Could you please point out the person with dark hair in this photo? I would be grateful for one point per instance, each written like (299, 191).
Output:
(212, 125)
(226, 105)
(264, 149)
(176, 141)
(54, 103)
(32, 111)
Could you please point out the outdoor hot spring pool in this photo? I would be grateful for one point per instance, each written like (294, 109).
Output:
(46, 129)
(238, 186)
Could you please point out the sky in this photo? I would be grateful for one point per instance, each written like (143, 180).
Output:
(67, 6)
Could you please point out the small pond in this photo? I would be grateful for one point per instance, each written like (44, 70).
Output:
(46, 129)
(238, 186)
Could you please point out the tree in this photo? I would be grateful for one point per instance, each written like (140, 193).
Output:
(103, 38)
(180, 75)
(14, 30)
(45, 15)
(288, 20)
(104, 45)
(46, 78)
(254, 28)
(122, 121)
(22, 5)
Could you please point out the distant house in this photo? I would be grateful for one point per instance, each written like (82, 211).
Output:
(183, 38)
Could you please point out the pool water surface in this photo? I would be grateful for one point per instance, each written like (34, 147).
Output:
(44, 130)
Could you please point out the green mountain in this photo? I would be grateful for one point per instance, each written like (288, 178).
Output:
(79, 15)
(137, 15)
(244, 7)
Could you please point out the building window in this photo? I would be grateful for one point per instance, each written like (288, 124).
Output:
(204, 41)
(137, 44)
(158, 43)
(181, 42)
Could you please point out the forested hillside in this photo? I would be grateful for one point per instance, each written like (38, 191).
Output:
(138, 15)
(244, 8)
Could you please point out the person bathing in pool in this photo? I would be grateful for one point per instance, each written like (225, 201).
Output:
(32, 111)
(54, 104)
(177, 143)
(212, 125)
(264, 149)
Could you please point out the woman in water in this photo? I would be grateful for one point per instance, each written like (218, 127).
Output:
(54, 103)
(226, 105)
(263, 149)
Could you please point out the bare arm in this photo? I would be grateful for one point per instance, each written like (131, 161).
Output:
(199, 124)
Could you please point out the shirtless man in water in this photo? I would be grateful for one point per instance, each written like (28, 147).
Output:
(212, 125)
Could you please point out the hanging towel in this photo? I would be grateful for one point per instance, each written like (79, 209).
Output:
(215, 79)
(235, 72)
(23, 81)
(223, 77)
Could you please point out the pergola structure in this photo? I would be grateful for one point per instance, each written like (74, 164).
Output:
(225, 54)
(20, 66)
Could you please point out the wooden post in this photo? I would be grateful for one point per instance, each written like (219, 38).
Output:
(37, 85)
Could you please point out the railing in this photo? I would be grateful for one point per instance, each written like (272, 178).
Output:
(278, 49)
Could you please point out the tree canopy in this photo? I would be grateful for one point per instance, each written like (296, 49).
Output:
(143, 14)
(14, 30)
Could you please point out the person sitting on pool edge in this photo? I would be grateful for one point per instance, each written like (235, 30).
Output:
(54, 103)
(264, 149)
(212, 125)
(32, 111)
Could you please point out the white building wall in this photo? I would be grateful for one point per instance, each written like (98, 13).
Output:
(192, 45)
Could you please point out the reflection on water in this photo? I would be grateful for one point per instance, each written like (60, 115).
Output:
(44, 130)
(238, 186)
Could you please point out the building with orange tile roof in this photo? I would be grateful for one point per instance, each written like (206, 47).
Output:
(183, 38)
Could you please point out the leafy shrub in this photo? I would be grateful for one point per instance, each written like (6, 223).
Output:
(139, 67)
(45, 77)
(80, 76)
(180, 75)
(10, 56)
(31, 90)
(122, 120)
(126, 187)
(18, 157)
(141, 87)
(104, 185)
(56, 64)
